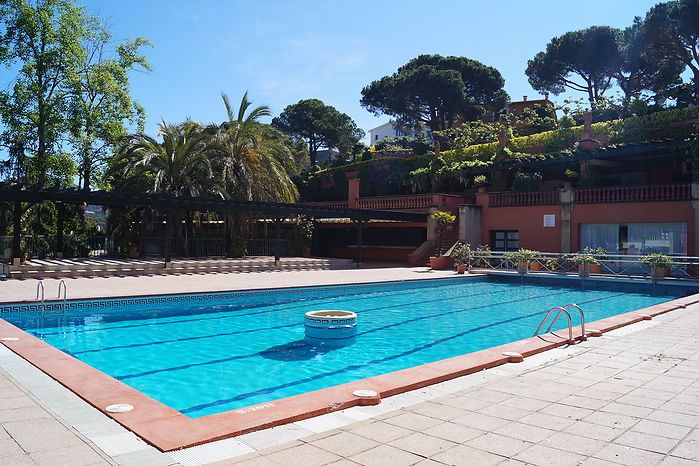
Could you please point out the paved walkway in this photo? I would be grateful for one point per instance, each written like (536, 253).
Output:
(32, 434)
(19, 289)
(626, 398)
(630, 397)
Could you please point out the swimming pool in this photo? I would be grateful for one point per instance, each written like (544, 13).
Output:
(208, 353)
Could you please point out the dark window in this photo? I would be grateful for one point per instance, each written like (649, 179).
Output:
(504, 240)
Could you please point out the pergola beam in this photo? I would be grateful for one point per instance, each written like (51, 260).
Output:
(270, 209)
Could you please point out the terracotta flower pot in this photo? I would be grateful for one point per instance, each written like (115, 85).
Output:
(461, 269)
(659, 272)
(534, 266)
(595, 268)
(584, 269)
(441, 263)
(522, 267)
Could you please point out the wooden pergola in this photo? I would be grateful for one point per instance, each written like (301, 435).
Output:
(276, 211)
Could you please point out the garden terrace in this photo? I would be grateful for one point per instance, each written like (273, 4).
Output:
(648, 193)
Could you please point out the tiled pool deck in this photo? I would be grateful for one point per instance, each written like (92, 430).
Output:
(630, 397)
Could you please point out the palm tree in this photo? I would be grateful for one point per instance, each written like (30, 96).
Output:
(254, 166)
(178, 166)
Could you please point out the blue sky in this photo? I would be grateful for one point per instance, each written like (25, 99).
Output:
(284, 51)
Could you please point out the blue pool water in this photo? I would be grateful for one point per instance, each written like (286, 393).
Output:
(205, 354)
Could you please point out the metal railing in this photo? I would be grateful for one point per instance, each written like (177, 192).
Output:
(524, 198)
(626, 265)
(660, 192)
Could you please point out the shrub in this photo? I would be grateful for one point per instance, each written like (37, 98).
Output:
(526, 181)
(657, 260)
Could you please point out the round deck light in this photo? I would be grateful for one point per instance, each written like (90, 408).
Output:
(119, 408)
(364, 393)
(514, 357)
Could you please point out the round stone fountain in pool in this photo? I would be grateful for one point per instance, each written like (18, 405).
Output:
(331, 328)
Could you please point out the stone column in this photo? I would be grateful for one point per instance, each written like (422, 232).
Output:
(352, 192)
(470, 224)
(431, 225)
(567, 197)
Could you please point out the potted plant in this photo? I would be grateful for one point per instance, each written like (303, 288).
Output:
(598, 253)
(660, 264)
(552, 264)
(463, 257)
(481, 255)
(442, 219)
(584, 262)
(480, 181)
(522, 257)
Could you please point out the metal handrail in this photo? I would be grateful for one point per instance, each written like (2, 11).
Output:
(560, 310)
(40, 286)
(63, 285)
(582, 317)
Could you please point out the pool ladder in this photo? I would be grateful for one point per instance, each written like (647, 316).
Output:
(562, 310)
(41, 292)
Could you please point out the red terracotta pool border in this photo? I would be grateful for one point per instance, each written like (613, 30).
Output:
(168, 429)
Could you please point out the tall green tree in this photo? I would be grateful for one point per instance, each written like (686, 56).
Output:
(673, 30)
(584, 61)
(639, 70)
(41, 40)
(100, 104)
(319, 125)
(436, 91)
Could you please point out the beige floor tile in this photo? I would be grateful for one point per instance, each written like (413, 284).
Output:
(380, 431)
(525, 432)
(594, 431)
(654, 443)
(574, 443)
(344, 443)
(423, 445)
(385, 455)
(413, 421)
(453, 432)
(661, 429)
(499, 444)
(688, 449)
(543, 455)
(627, 455)
(466, 455)
(302, 455)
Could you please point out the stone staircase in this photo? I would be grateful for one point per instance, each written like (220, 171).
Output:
(102, 267)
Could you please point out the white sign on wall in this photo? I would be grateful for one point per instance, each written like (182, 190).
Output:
(549, 221)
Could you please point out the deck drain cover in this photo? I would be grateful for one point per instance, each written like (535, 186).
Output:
(9, 339)
(364, 393)
(119, 408)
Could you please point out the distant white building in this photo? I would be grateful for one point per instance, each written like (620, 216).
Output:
(327, 154)
(387, 130)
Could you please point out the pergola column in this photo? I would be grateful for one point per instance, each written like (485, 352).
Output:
(360, 229)
(168, 240)
(17, 234)
(61, 211)
(277, 241)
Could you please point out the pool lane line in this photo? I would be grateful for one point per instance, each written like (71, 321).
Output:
(262, 353)
(282, 304)
(199, 337)
(278, 307)
(267, 391)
